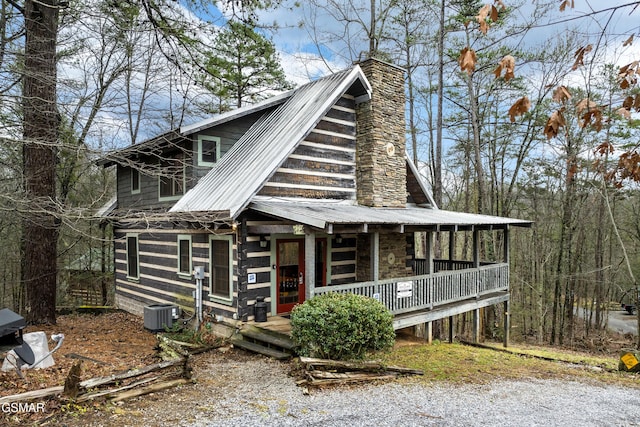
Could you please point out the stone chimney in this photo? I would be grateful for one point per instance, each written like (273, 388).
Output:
(381, 171)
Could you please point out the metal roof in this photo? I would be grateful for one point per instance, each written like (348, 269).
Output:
(218, 119)
(157, 143)
(107, 208)
(254, 158)
(325, 214)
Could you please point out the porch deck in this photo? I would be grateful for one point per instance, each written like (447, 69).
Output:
(428, 297)
(425, 298)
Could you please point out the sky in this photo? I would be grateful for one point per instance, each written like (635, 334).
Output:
(300, 60)
(594, 22)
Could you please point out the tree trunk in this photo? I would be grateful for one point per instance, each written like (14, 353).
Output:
(437, 161)
(41, 122)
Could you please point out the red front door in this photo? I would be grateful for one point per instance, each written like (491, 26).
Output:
(290, 274)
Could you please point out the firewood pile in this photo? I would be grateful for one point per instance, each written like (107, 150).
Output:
(320, 372)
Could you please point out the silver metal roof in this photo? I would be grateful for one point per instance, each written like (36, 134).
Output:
(107, 208)
(156, 143)
(218, 119)
(254, 158)
(324, 214)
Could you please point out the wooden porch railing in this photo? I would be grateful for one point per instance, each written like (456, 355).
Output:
(413, 293)
(420, 265)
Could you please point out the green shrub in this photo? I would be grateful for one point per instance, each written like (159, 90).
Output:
(341, 326)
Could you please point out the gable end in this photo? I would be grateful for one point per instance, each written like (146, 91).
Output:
(323, 165)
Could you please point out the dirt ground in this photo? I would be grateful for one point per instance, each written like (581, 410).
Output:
(107, 344)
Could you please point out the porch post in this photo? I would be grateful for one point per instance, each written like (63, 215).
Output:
(309, 264)
(507, 323)
(476, 248)
(476, 325)
(425, 331)
(429, 252)
(505, 237)
(452, 329)
(452, 246)
(507, 303)
(375, 256)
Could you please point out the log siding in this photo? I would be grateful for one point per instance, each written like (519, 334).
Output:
(323, 165)
(159, 280)
(343, 260)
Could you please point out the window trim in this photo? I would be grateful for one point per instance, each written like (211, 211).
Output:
(137, 239)
(201, 139)
(184, 180)
(135, 176)
(180, 238)
(228, 300)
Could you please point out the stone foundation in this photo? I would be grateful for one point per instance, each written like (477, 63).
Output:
(130, 305)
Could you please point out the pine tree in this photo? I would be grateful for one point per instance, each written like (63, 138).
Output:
(245, 66)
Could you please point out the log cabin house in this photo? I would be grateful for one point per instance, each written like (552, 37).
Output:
(308, 192)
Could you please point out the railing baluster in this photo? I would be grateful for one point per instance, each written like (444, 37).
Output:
(432, 290)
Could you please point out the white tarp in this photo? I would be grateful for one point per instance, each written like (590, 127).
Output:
(38, 343)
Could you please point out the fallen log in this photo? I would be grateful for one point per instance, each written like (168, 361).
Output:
(31, 395)
(348, 375)
(132, 373)
(327, 372)
(344, 379)
(93, 383)
(106, 393)
(358, 366)
(171, 349)
(179, 343)
(150, 389)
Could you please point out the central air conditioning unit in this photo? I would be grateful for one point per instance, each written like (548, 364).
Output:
(158, 317)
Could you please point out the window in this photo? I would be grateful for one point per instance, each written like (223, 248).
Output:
(135, 181)
(221, 268)
(172, 178)
(133, 260)
(208, 150)
(184, 255)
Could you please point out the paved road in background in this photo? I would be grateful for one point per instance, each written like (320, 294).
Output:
(623, 322)
(619, 321)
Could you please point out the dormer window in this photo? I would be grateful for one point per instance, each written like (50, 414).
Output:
(171, 185)
(208, 150)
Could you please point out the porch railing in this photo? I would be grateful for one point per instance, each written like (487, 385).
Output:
(413, 293)
(420, 265)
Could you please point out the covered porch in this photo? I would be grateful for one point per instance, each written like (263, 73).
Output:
(437, 296)
(396, 263)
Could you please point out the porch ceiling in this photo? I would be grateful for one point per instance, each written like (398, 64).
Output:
(326, 215)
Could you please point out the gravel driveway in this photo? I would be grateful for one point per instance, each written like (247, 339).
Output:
(253, 391)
